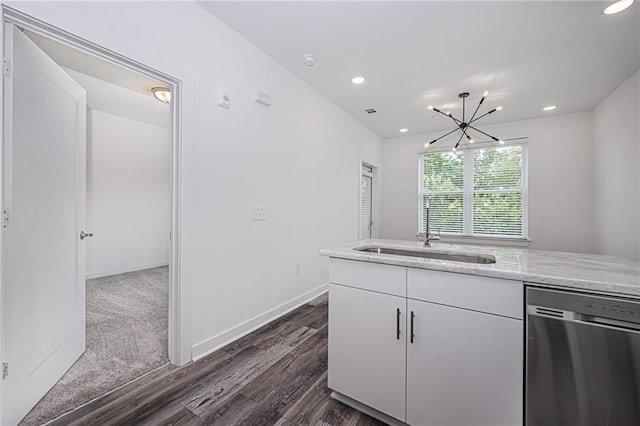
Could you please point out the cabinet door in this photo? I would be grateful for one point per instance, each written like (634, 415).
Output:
(367, 358)
(463, 367)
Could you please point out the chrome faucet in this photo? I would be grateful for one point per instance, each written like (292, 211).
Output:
(428, 235)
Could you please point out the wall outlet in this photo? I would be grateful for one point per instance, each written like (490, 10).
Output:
(297, 269)
(258, 213)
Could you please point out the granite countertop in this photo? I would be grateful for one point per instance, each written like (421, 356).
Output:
(578, 271)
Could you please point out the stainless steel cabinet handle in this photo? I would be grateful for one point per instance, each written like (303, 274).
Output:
(84, 235)
(413, 315)
(398, 324)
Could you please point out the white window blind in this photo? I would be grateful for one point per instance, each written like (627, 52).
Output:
(475, 192)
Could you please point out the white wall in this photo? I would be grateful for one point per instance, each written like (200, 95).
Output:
(560, 173)
(128, 198)
(616, 178)
(299, 158)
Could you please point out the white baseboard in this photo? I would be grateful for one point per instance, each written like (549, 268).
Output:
(205, 347)
(126, 269)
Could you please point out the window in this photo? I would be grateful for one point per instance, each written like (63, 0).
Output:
(479, 191)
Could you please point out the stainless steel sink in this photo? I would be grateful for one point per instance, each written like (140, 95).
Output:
(482, 259)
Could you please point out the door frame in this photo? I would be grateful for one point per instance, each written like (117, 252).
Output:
(179, 333)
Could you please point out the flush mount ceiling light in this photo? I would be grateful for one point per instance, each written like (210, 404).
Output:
(162, 94)
(357, 80)
(618, 6)
(463, 125)
(550, 108)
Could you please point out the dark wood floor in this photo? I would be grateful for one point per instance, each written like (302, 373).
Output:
(276, 375)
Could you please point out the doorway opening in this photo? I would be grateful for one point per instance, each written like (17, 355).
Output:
(132, 286)
(367, 219)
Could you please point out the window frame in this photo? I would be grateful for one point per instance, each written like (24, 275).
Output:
(468, 193)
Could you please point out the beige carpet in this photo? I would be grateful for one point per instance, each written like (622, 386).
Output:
(127, 320)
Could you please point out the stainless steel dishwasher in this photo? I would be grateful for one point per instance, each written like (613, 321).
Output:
(583, 359)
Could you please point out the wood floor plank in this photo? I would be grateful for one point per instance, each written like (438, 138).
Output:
(179, 418)
(229, 413)
(268, 334)
(310, 408)
(317, 407)
(313, 350)
(316, 318)
(322, 299)
(230, 380)
(280, 387)
(284, 422)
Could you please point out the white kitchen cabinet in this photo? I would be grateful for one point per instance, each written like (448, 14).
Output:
(458, 361)
(463, 367)
(367, 355)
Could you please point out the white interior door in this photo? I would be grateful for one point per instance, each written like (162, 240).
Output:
(43, 289)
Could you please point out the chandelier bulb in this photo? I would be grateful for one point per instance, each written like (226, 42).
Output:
(485, 94)
(501, 142)
(430, 107)
(499, 108)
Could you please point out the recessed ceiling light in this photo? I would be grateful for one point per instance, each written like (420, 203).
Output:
(549, 108)
(618, 6)
(357, 80)
(162, 94)
(404, 130)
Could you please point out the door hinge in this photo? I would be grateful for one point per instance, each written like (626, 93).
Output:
(5, 219)
(5, 370)
(6, 67)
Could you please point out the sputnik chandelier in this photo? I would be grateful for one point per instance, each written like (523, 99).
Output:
(463, 125)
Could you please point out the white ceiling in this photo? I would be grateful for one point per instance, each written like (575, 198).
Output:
(415, 54)
(77, 60)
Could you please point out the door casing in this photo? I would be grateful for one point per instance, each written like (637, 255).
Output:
(179, 317)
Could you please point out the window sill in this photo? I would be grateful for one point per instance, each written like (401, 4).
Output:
(495, 241)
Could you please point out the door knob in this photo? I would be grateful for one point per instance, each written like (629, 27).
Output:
(84, 235)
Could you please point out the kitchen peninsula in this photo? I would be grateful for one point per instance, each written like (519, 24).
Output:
(437, 335)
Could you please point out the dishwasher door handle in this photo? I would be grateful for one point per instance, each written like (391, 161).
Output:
(578, 318)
